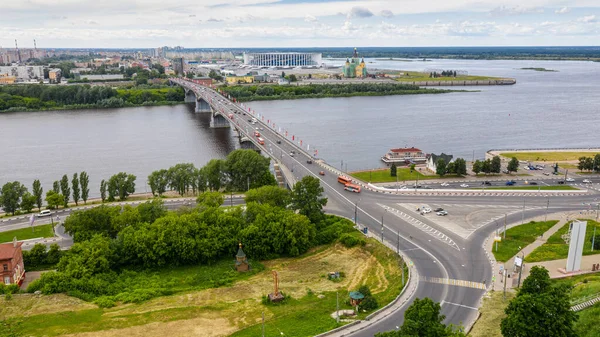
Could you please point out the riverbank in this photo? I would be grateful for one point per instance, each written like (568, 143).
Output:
(248, 93)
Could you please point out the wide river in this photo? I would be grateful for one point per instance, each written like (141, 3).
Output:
(543, 110)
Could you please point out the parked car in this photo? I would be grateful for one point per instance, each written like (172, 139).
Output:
(560, 182)
(570, 180)
(587, 181)
(291, 154)
(546, 173)
(278, 141)
(533, 183)
(322, 173)
(426, 210)
(442, 213)
(486, 183)
(439, 209)
(464, 185)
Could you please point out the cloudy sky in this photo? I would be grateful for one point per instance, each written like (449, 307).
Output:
(298, 23)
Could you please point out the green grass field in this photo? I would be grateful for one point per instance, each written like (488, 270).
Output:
(520, 236)
(535, 188)
(492, 313)
(548, 156)
(556, 248)
(43, 231)
(419, 76)
(383, 175)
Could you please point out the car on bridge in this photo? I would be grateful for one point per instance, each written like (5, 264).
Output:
(309, 161)
(510, 183)
(486, 183)
(570, 180)
(322, 173)
(464, 185)
(256, 134)
(261, 141)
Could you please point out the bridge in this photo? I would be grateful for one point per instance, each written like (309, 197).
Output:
(448, 259)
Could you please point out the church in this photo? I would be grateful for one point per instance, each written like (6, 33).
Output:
(354, 67)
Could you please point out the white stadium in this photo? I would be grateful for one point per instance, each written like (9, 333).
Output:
(283, 59)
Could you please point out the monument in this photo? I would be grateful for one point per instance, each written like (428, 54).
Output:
(576, 242)
(241, 262)
(275, 296)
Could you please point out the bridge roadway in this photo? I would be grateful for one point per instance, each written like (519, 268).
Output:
(465, 260)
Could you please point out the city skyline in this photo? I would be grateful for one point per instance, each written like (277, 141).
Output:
(297, 23)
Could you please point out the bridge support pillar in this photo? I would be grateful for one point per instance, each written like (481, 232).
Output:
(202, 105)
(218, 121)
(190, 96)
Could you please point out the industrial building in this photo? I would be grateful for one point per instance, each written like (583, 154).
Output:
(283, 59)
(23, 73)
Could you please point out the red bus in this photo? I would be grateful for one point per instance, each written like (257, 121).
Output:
(261, 141)
(352, 188)
(344, 180)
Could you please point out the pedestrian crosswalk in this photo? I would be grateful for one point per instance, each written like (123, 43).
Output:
(453, 282)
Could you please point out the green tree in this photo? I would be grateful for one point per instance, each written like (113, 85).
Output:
(56, 186)
(103, 190)
(513, 165)
(122, 185)
(393, 170)
(589, 163)
(65, 190)
(10, 196)
(152, 210)
(477, 167)
(423, 319)
(27, 202)
(181, 177)
(37, 255)
(292, 78)
(76, 189)
(486, 166)
(581, 164)
(440, 167)
(84, 181)
(88, 258)
(307, 198)
(189, 75)
(539, 309)
(597, 163)
(460, 167)
(158, 181)
(38, 193)
(496, 166)
(53, 254)
(84, 224)
(210, 199)
(412, 167)
(54, 200)
(272, 195)
(212, 171)
(245, 169)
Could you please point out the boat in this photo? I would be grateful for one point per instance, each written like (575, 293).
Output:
(406, 155)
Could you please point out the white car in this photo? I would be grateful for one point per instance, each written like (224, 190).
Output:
(570, 180)
(426, 210)
(546, 173)
(45, 212)
(444, 184)
(442, 213)
(587, 181)
(464, 185)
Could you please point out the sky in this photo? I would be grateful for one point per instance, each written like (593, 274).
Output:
(297, 23)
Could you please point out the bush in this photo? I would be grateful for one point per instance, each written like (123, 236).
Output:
(105, 302)
(350, 240)
(368, 303)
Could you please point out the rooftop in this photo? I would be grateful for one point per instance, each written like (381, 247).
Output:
(406, 149)
(7, 250)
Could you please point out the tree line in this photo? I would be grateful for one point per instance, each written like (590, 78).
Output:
(458, 167)
(445, 73)
(589, 163)
(111, 241)
(36, 97)
(260, 92)
(494, 165)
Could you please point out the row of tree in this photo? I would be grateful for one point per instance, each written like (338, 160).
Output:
(494, 165)
(589, 163)
(445, 73)
(458, 166)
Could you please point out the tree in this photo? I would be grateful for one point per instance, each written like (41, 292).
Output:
(84, 181)
(152, 210)
(597, 163)
(65, 190)
(37, 193)
(595, 241)
(292, 78)
(589, 163)
(10, 196)
(158, 181)
(581, 164)
(122, 185)
(210, 199)
(460, 166)
(496, 166)
(76, 189)
(393, 170)
(56, 187)
(539, 309)
(54, 200)
(189, 75)
(212, 172)
(412, 167)
(477, 167)
(53, 254)
(103, 190)
(28, 202)
(180, 177)
(423, 319)
(440, 168)
(486, 166)
(513, 165)
(271, 195)
(307, 199)
(84, 224)
(245, 169)
(88, 258)
(282, 74)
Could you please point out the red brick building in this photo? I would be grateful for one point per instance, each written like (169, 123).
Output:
(12, 270)
(206, 81)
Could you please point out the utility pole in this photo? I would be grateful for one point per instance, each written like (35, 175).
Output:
(521, 271)
(355, 213)
(382, 229)
(249, 181)
(495, 238)
(504, 226)
(504, 270)
(547, 205)
(523, 212)
(337, 308)
(231, 199)
(263, 324)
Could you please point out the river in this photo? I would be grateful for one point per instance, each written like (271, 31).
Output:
(544, 109)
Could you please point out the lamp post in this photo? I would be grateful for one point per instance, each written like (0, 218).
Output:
(382, 229)
(547, 206)
(523, 212)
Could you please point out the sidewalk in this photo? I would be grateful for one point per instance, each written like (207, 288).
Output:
(552, 266)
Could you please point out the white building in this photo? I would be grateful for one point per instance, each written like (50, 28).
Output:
(24, 72)
(283, 59)
(433, 159)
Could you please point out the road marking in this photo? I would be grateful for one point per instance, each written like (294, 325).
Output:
(458, 305)
(453, 282)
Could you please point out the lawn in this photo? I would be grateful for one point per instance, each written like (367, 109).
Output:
(556, 248)
(520, 236)
(43, 231)
(548, 156)
(535, 188)
(383, 175)
(492, 313)
(419, 76)
(202, 304)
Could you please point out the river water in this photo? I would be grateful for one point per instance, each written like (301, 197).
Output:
(544, 109)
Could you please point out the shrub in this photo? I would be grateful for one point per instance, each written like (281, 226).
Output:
(105, 302)
(350, 240)
(368, 303)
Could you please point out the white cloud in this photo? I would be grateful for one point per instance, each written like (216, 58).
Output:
(517, 10)
(349, 27)
(386, 13)
(563, 10)
(359, 12)
(588, 18)
(310, 18)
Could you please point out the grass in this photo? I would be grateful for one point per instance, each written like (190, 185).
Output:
(43, 231)
(555, 247)
(492, 313)
(232, 309)
(383, 175)
(540, 69)
(420, 76)
(535, 188)
(549, 156)
(520, 236)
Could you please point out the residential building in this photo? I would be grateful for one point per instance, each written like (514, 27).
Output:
(54, 75)
(5, 79)
(178, 65)
(12, 270)
(23, 73)
(262, 78)
(433, 159)
(105, 77)
(239, 79)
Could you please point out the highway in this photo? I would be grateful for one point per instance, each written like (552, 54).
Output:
(440, 247)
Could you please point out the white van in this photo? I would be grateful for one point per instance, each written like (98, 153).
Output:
(45, 212)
